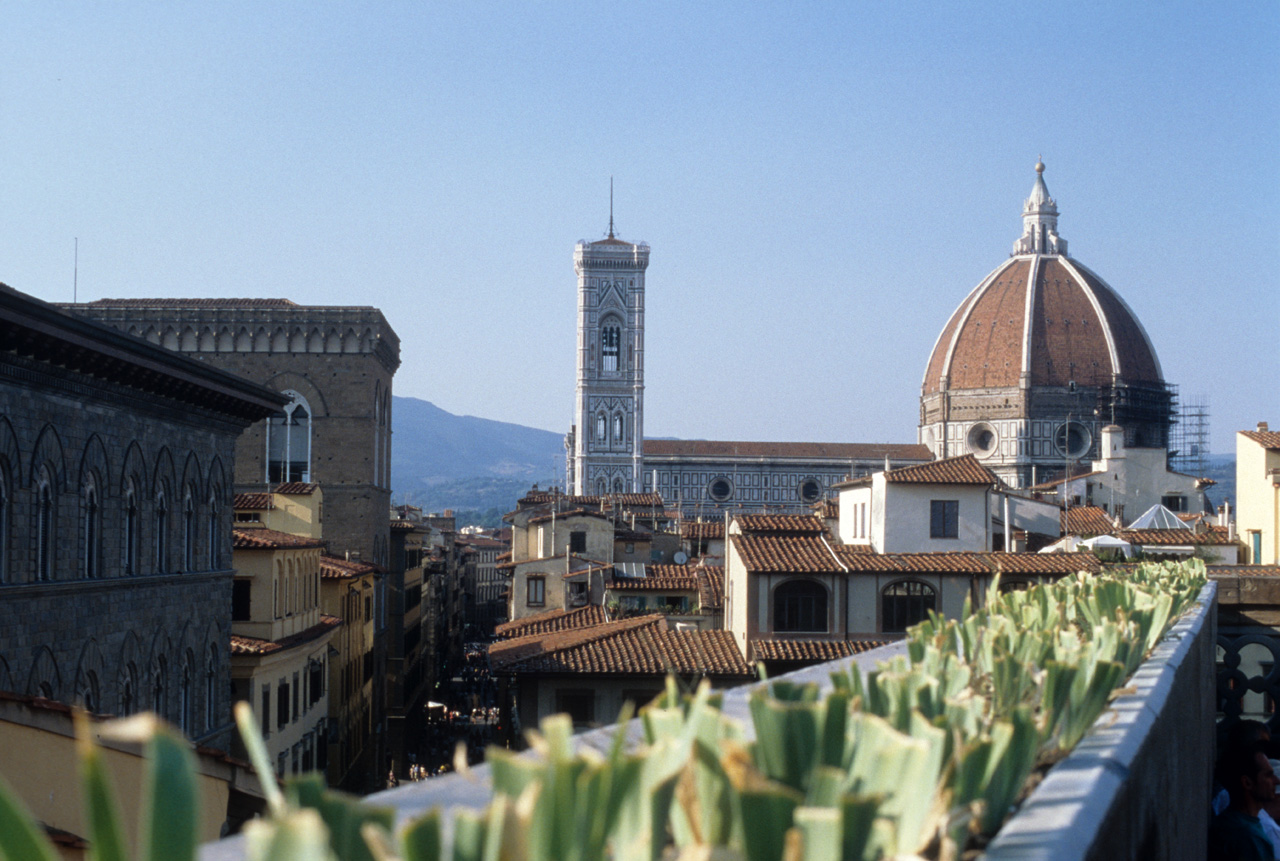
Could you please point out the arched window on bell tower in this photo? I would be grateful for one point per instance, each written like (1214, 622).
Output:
(610, 344)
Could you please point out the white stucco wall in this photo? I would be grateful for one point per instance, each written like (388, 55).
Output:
(902, 524)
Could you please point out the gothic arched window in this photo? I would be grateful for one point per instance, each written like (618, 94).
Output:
(130, 528)
(162, 532)
(188, 531)
(617, 427)
(289, 442)
(610, 341)
(215, 529)
(91, 553)
(601, 428)
(184, 693)
(44, 526)
(4, 527)
(211, 690)
(157, 686)
(904, 604)
(800, 606)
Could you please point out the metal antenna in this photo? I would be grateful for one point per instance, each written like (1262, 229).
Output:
(610, 207)
(75, 274)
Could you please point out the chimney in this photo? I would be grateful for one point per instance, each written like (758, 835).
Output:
(1262, 427)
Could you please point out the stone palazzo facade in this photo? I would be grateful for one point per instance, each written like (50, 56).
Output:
(334, 363)
(116, 477)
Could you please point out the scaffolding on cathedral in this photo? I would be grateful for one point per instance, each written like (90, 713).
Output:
(1189, 437)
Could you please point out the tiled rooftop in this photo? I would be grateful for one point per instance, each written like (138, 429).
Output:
(297, 488)
(270, 539)
(1268, 439)
(241, 645)
(253, 502)
(638, 646)
(664, 578)
(818, 450)
(711, 587)
(964, 469)
(781, 524)
(1181, 537)
(340, 568)
(704, 531)
(1086, 521)
(193, 303)
(827, 509)
(805, 554)
(810, 650)
(552, 620)
(565, 515)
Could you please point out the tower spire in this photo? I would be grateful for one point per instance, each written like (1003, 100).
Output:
(611, 207)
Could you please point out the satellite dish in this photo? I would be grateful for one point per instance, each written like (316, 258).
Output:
(681, 557)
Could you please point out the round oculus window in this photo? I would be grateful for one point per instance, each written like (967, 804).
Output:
(810, 490)
(982, 439)
(720, 488)
(1072, 439)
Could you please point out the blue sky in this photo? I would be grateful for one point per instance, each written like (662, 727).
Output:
(821, 184)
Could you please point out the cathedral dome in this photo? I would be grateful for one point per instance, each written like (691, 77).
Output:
(1037, 358)
(1041, 318)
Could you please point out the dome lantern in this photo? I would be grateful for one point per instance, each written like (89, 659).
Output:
(1040, 221)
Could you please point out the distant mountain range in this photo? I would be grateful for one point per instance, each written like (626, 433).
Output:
(481, 467)
(441, 460)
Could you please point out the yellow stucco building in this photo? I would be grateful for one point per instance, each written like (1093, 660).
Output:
(1258, 493)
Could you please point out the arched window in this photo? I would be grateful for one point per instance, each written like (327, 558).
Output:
(800, 606)
(91, 552)
(158, 672)
(130, 528)
(610, 341)
(162, 532)
(289, 442)
(617, 427)
(215, 529)
(44, 526)
(617, 485)
(184, 693)
(128, 687)
(4, 527)
(87, 696)
(211, 690)
(602, 487)
(188, 531)
(904, 604)
(602, 433)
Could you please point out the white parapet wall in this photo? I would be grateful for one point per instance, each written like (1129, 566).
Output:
(1137, 786)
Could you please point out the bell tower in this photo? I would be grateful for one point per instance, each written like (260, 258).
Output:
(604, 446)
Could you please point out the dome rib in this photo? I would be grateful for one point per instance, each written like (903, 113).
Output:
(1029, 317)
(1107, 333)
(1155, 374)
(956, 326)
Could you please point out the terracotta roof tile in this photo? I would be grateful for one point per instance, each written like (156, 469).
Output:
(1171, 537)
(1086, 520)
(253, 502)
(639, 646)
(193, 303)
(1267, 439)
(241, 645)
(634, 500)
(297, 488)
(810, 650)
(339, 568)
(827, 509)
(803, 554)
(812, 450)
(658, 577)
(711, 587)
(964, 469)
(552, 620)
(781, 524)
(704, 531)
(269, 539)
(1243, 570)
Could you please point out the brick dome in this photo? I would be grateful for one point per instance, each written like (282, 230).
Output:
(1041, 319)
